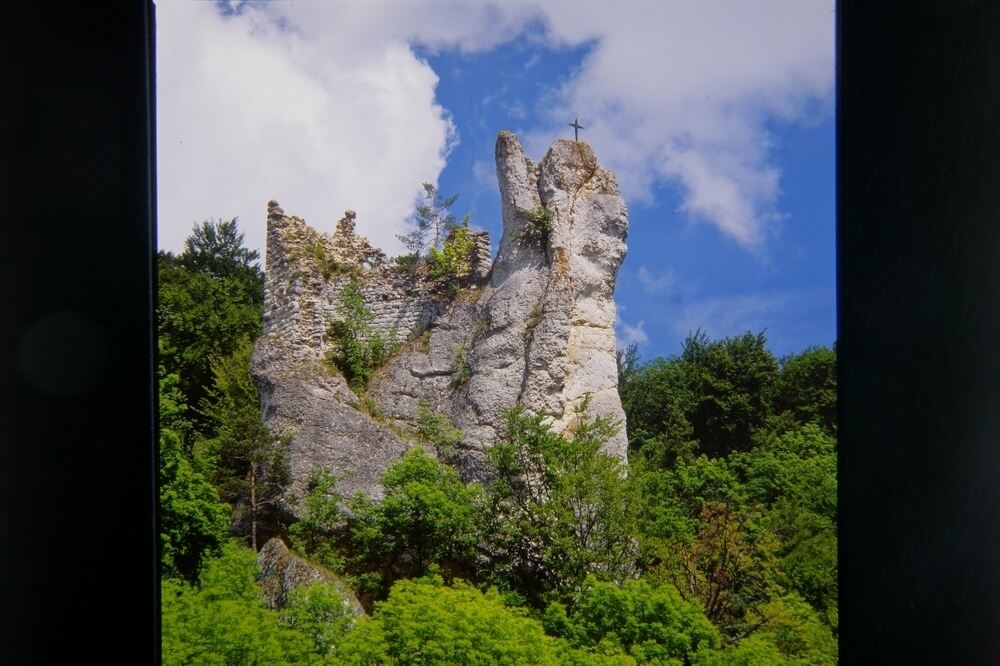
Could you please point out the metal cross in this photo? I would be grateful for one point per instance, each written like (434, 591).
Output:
(576, 129)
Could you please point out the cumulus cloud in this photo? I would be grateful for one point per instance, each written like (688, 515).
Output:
(627, 334)
(250, 109)
(325, 106)
(683, 91)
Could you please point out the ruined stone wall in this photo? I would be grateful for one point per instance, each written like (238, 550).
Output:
(307, 270)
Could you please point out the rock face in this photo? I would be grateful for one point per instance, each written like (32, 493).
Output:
(281, 571)
(535, 327)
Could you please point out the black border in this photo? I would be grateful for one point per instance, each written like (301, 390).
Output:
(77, 498)
(918, 183)
(918, 118)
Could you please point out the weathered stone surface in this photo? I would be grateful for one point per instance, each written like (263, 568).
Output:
(281, 571)
(534, 327)
(312, 405)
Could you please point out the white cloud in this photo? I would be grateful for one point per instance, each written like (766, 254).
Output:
(627, 334)
(325, 106)
(247, 112)
(683, 91)
(654, 284)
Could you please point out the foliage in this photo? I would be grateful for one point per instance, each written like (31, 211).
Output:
(247, 463)
(454, 260)
(358, 348)
(537, 226)
(408, 262)
(534, 318)
(437, 430)
(651, 624)
(224, 620)
(326, 263)
(806, 387)
(318, 612)
(192, 521)
(314, 532)
(209, 299)
(798, 633)
(800, 465)
(216, 249)
(425, 622)
(463, 370)
(657, 402)
(732, 382)
(727, 567)
(434, 221)
(560, 507)
(427, 517)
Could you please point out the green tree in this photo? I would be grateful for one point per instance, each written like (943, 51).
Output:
(224, 620)
(560, 507)
(216, 249)
(427, 517)
(192, 521)
(652, 624)
(315, 533)
(425, 622)
(454, 260)
(806, 387)
(732, 383)
(209, 298)
(318, 612)
(657, 400)
(434, 221)
(247, 463)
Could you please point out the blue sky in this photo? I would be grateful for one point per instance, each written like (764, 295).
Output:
(716, 118)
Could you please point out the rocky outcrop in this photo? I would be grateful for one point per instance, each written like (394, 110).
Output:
(281, 571)
(534, 327)
(541, 332)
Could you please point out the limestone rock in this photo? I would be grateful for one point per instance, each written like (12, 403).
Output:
(313, 405)
(533, 327)
(281, 571)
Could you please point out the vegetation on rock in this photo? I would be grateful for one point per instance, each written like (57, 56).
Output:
(537, 226)
(358, 348)
(454, 260)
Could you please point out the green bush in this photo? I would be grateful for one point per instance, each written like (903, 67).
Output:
(537, 226)
(652, 624)
(358, 349)
(425, 622)
(427, 517)
(454, 260)
(224, 619)
(463, 370)
(437, 430)
(561, 508)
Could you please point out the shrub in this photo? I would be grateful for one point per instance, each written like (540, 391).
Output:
(408, 262)
(327, 264)
(437, 430)
(537, 226)
(534, 318)
(427, 517)
(358, 348)
(454, 259)
(425, 622)
(463, 371)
